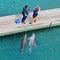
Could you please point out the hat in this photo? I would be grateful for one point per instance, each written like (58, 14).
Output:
(26, 6)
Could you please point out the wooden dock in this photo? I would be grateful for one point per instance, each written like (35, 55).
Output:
(46, 18)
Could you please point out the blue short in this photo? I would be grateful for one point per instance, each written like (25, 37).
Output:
(24, 18)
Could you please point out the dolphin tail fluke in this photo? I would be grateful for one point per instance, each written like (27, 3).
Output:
(21, 51)
(30, 50)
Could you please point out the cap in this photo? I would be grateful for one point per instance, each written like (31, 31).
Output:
(26, 6)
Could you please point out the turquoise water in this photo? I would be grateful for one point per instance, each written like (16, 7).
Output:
(47, 40)
(8, 7)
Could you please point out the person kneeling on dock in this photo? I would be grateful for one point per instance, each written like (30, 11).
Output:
(35, 14)
(25, 13)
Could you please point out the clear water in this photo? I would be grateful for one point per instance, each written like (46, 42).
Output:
(47, 40)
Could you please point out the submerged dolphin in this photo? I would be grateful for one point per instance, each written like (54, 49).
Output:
(23, 43)
(31, 42)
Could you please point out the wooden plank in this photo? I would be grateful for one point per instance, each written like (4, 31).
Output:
(46, 18)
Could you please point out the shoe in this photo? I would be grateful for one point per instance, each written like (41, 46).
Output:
(23, 22)
(30, 22)
(34, 20)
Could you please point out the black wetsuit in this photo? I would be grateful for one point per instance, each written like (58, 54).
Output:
(35, 13)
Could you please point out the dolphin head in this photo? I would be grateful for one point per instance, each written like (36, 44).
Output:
(25, 36)
(33, 35)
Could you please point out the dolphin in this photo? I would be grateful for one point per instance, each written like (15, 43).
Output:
(23, 43)
(31, 42)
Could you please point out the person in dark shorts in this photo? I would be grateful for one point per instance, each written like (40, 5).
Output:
(35, 14)
(25, 13)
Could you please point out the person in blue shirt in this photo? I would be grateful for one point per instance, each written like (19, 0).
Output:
(35, 14)
(25, 13)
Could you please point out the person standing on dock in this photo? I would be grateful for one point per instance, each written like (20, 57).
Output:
(35, 14)
(25, 13)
